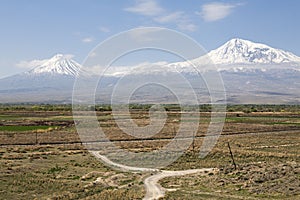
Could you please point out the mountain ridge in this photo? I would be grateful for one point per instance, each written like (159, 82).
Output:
(273, 76)
(235, 54)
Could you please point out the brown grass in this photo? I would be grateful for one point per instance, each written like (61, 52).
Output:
(51, 167)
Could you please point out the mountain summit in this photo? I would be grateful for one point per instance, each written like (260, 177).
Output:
(57, 65)
(239, 51)
(251, 72)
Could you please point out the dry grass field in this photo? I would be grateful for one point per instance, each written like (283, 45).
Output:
(41, 157)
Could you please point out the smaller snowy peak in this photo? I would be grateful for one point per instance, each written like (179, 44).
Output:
(57, 65)
(239, 51)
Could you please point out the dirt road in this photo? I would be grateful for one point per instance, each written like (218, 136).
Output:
(156, 191)
(153, 189)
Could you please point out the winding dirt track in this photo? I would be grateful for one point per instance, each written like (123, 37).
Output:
(153, 189)
(156, 191)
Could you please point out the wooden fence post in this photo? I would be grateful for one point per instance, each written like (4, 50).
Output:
(231, 155)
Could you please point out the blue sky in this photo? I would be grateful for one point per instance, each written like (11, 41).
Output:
(36, 30)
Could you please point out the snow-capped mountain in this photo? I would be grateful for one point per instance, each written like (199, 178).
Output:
(52, 80)
(57, 65)
(242, 55)
(239, 51)
(235, 55)
(251, 72)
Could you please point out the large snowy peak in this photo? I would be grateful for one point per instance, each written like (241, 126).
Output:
(251, 72)
(239, 51)
(57, 65)
(52, 77)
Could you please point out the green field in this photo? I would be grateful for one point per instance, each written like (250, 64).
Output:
(25, 128)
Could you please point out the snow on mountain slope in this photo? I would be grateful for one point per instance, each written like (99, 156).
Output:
(241, 55)
(239, 51)
(251, 72)
(236, 54)
(57, 65)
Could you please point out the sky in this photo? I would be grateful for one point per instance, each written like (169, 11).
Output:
(36, 30)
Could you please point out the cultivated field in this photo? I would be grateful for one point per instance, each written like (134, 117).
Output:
(42, 156)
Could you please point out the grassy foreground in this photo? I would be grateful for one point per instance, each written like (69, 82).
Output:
(41, 158)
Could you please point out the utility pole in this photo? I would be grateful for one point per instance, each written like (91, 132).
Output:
(36, 139)
(193, 144)
(231, 155)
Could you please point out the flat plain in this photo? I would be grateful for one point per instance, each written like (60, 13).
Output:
(42, 157)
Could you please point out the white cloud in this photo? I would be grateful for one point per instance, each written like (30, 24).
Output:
(145, 34)
(146, 7)
(172, 17)
(30, 64)
(160, 15)
(104, 29)
(216, 11)
(121, 70)
(187, 26)
(88, 40)
(178, 18)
